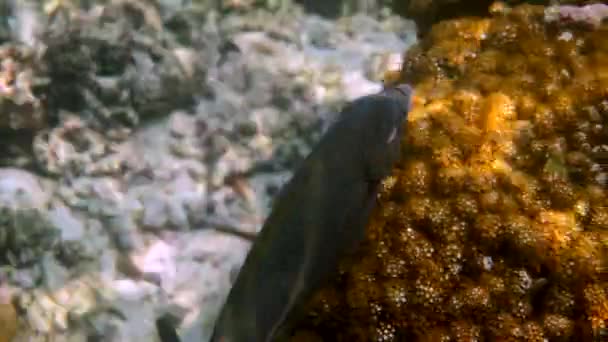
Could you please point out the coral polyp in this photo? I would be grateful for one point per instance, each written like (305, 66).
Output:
(496, 226)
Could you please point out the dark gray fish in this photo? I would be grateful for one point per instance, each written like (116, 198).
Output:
(165, 326)
(318, 217)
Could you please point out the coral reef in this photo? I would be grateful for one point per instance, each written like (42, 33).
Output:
(591, 15)
(114, 66)
(8, 314)
(72, 149)
(22, 86)
(25, 232)
(159, 121)
(494, 225)
(428, 12)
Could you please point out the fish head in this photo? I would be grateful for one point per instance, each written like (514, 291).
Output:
(387, 118)
(403, 94)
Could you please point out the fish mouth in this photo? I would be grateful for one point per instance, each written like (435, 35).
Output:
(404, 94)
(405, 89)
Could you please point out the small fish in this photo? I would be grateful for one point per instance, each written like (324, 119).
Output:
(319, 216)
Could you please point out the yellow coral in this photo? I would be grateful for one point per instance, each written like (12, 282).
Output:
(495, 227)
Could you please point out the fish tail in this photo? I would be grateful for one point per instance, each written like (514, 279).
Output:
(166, 329)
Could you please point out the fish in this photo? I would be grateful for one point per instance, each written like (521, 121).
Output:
(319, 216)
(165, 327)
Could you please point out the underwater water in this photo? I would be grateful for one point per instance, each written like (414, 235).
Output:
(421, 170)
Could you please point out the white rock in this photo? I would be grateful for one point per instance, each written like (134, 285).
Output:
(55, 275)
(155, 211)
(21, 187)
(356, 85)
(160, 259)
(132, 290)
(70, 227)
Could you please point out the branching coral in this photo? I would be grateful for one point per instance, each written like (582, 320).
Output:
(494, 227)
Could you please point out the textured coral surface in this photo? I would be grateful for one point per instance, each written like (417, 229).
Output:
(494, 227)
(20, 106)
(428, 12)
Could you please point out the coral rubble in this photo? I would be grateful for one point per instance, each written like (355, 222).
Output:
(495, 225)
(21, 106)
(143, 125)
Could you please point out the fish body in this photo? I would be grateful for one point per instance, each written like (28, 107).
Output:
(318, 217)
(166, 329)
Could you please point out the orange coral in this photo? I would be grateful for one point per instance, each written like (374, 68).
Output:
(8, 315)
(496, 226)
